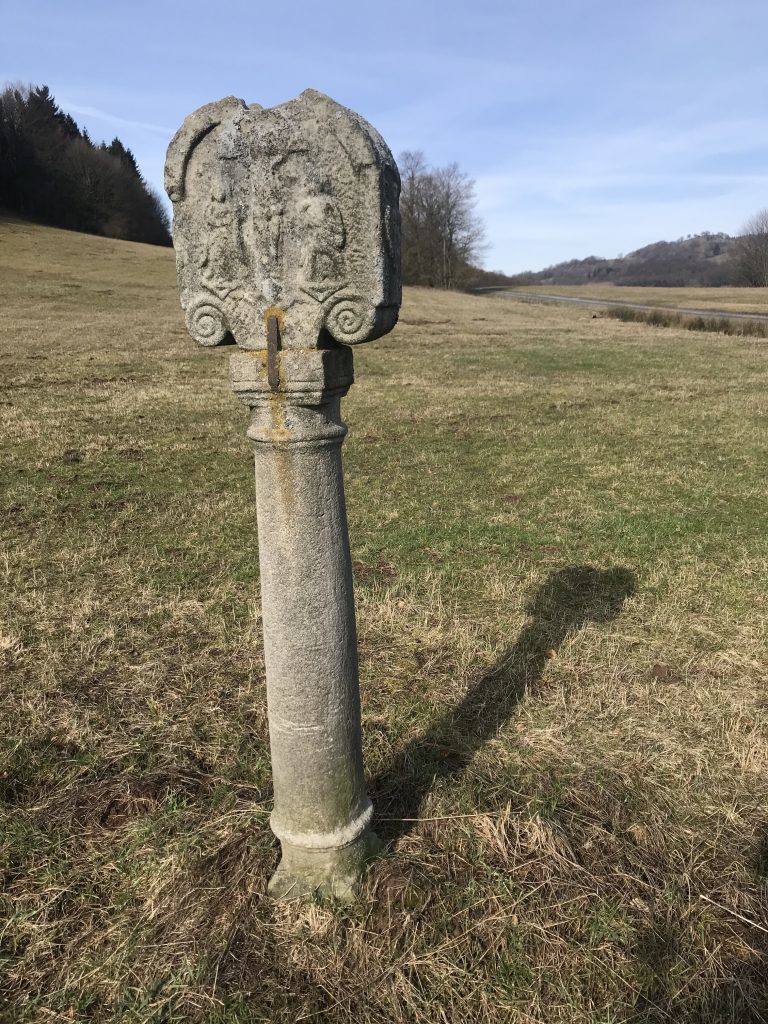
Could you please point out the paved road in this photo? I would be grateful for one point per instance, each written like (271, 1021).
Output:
(575, 300)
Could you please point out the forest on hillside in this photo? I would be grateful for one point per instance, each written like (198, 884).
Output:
(52, 172)
(706, 260)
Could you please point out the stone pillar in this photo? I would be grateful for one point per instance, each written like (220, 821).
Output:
(321, 814)
(287, 235)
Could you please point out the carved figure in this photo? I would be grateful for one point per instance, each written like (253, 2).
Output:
(290, 210)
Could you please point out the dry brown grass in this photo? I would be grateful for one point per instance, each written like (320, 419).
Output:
(714, 324)
(558, 527)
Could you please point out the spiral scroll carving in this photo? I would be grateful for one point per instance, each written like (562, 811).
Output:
(349, 320)
(205, 322)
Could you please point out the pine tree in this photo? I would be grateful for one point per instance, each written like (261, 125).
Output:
(51, 171)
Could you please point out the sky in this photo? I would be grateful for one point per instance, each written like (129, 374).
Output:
(589, 127)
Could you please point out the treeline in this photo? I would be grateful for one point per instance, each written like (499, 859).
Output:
(442, 235)
(751, 251)
(51, 172)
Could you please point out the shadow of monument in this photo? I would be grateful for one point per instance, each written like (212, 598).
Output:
(565, 602)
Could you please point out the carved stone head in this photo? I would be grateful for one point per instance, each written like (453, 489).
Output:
(289, 212)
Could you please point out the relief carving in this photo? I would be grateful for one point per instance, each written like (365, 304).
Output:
(294, 209)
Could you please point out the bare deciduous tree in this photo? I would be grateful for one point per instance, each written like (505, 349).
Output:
(442, 234)
(751, 251)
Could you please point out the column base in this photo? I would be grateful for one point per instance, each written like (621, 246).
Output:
(335, 871)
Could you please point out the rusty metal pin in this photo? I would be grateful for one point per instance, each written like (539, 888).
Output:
(273, 347)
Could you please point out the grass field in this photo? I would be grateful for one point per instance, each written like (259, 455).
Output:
(728, 300)
(559, 533)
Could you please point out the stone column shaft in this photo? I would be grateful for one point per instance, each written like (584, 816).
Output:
(321, 813)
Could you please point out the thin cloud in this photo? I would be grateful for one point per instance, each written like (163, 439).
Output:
(103, 115)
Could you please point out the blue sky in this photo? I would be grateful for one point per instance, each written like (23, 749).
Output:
(590, 127)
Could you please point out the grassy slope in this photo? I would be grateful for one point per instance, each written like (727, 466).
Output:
(728, 300)
(559, 532)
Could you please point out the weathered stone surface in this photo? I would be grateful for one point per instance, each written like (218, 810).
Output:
(286, 228)
(290, 211)
(322, 814)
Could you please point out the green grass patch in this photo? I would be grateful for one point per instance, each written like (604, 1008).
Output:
(560, 559)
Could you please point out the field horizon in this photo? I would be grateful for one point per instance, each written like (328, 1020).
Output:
(559, 546)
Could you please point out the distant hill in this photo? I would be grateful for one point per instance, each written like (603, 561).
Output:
(705, 260)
